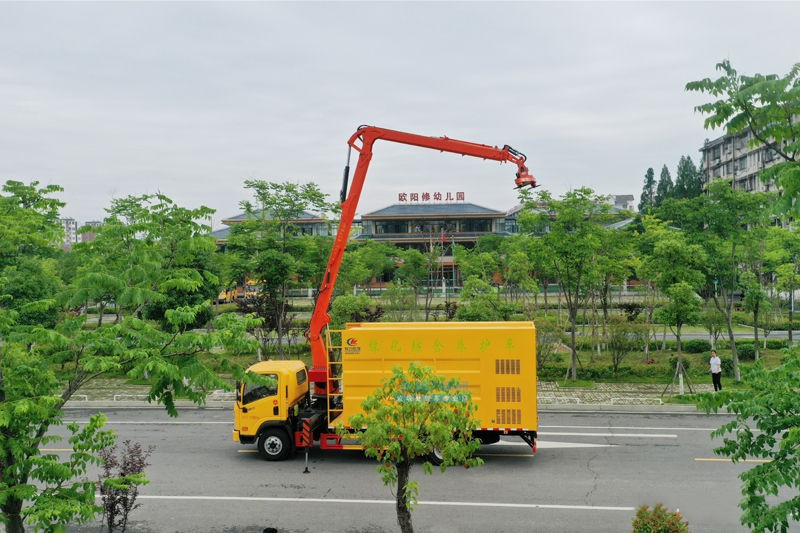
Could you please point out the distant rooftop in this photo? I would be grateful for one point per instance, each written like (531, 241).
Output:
(244, 216)
(409, 210)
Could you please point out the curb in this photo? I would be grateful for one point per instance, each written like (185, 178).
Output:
(549, 408)
(128, 404)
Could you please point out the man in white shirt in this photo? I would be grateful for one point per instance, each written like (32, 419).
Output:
(716, 370)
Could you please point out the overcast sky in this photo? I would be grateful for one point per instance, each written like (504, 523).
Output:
(110, 99)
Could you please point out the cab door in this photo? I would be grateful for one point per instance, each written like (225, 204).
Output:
(260, 403)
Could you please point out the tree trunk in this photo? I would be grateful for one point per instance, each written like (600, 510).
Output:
(729, 323)
(573, 319)
(755, 333)
(791, 316)
(403, 513)
(12, 509)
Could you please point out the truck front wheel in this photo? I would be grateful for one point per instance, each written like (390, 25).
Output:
(274, 445)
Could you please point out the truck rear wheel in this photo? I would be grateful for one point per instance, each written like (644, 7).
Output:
(274, 445)
(435, 457)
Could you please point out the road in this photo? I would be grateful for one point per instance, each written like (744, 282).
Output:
(592, 470)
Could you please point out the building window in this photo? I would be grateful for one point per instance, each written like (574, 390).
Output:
(741, 163)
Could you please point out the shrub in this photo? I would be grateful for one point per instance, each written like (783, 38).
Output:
(659, 519)
(777, 344)
(727, 366)
(674, 361)
(121, 475)
(747, 352)
(696, 346)
(656, 345)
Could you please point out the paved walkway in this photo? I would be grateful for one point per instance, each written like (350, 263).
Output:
(115, 392)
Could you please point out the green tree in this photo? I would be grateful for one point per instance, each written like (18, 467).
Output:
(648, 198)
(413, 273)
(29, 223)
(732, 219)
(575, 238)
(415, 415)
(687, 180)
(481, 302)
(782, 256)
(271, 247)
(766, 106)
(42, 489)
(682, 309)
(665, 187)
(765, 427)
(755, 302)
(624, 337)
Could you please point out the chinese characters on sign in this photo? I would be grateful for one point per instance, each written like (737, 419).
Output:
(428, 196)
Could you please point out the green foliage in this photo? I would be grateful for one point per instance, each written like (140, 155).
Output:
(658, 520)
(765, 426)
(664, 187)
(480, 302)
(727, 366)
(624, 337)
(647, 199)
(673, 360)
(349, 308)
(147, 251)
(29, 219)
(271, 248)
(777, 344)
(683, 308)
(747, 352)
(42, 489)
(696, 346)
(414, 414)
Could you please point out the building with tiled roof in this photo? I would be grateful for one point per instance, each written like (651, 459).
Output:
(307, 224)
(417, 225)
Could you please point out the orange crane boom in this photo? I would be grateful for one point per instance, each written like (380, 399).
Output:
(362, 141)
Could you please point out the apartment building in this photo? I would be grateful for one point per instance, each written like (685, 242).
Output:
(70, 226)
(732, 157)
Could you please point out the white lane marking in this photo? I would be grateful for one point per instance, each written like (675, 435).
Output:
(616, 435)
(387, 502)
(553, 445)
(630, 427)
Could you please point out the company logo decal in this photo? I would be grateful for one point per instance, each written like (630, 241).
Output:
(352, 346)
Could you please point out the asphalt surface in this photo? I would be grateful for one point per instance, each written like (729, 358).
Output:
(592, 470)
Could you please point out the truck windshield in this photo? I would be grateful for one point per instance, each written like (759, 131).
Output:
(256, 391)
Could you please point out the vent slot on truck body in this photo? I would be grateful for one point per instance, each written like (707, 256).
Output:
(508, 394)
(509, 416)
(507, 366)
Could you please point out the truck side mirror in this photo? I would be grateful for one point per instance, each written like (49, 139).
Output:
(238, 386)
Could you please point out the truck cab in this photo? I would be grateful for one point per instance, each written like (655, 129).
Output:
(266, 410)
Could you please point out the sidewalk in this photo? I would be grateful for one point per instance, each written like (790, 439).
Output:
(110, 393)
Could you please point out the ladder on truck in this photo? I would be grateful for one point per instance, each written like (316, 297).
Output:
(334, 380)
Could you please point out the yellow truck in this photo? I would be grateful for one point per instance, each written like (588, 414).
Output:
(495, 361)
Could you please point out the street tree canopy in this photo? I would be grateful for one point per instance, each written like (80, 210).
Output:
(766, 426)
(768, 107)
(414, 414)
